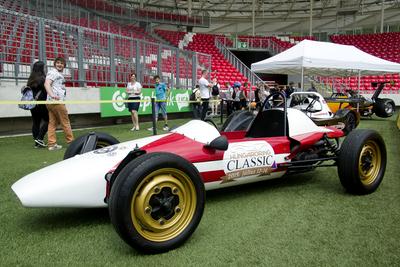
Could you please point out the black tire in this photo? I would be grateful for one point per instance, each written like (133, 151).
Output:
(75, 147)
(384, 107)
(362, 161)
(350, 122)
(134, 203)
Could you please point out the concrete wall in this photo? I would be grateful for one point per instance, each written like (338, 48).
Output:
(11, 92)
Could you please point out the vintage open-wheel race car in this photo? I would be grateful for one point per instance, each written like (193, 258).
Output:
(154, 187)
(381, 107)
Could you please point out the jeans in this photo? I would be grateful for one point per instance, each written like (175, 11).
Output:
(204, 106)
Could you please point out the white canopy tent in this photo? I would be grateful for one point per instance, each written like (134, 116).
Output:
(324, 59)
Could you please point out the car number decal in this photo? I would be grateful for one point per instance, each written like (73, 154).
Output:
(247, 159)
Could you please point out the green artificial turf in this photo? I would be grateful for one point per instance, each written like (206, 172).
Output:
(305, 219)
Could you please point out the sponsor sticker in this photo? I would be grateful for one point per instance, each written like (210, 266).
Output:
(110, 150)
(248, 159)
(105, 150)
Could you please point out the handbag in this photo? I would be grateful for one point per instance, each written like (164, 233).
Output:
(27, 95)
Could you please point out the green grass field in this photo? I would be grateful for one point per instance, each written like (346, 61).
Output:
(301, 220)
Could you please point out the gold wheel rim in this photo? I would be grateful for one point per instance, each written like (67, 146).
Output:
(163, 204)
(369, 162)
(101, 144)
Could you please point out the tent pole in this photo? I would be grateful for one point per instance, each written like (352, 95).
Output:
(302, 78)
(358, 91)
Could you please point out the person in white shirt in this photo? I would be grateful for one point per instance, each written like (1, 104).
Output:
(58, 114)
(134, 89)
(204, 93)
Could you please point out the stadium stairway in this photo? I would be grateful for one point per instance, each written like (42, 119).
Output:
(205, 43)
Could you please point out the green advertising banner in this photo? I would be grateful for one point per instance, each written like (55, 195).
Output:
(177, 101)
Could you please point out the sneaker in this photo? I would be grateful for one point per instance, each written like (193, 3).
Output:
(40, 143)
(150, 129)
(165, 128)
(55, 147)
(137, 128)
(133, 129)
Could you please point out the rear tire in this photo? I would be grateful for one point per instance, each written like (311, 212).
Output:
(103, 140)
(362, 161)
(157, 202)
(384, 107)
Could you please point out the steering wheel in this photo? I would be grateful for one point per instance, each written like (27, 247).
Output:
(274, 100)
(310, 106)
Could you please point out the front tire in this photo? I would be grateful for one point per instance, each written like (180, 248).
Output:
(157, 202)
(362, 161)
(103, 140)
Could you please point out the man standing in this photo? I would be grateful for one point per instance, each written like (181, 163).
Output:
(58, 114)
(289, 89)
(204, 93)
(161, 96)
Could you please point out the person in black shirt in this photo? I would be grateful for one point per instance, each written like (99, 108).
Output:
(40, 115)
(289, 89)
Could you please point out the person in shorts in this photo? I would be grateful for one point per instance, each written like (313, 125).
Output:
(162, 92)
(134, 89)
(215, 96)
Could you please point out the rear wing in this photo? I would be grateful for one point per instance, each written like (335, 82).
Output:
(378, 91)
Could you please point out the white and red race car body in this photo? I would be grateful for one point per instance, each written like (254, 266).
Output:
(80, 181)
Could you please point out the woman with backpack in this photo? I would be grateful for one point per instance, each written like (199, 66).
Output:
(214, 96)
(40, 115)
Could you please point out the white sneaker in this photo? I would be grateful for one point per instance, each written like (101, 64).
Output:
(40, 143)
(137, 128)
(133, 129)
(55, 147)
(150, 129)
(166, 128)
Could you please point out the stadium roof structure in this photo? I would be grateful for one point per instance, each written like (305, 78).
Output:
(279, 16)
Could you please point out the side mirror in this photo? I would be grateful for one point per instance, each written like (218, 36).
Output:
(219, 143)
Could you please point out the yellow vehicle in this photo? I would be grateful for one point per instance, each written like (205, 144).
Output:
(381, 107)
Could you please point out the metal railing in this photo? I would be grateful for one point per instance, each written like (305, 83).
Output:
(251, 76)
(253, 43)
(110, 10)
(93, 57)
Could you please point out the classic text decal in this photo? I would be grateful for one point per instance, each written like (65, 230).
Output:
(248, 158)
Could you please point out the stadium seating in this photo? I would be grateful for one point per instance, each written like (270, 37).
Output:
(383, 45)
(221, 68)
(205, 43)
(172, 37)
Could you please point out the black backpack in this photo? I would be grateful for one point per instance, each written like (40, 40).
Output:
(215, 90)
(192, 96)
